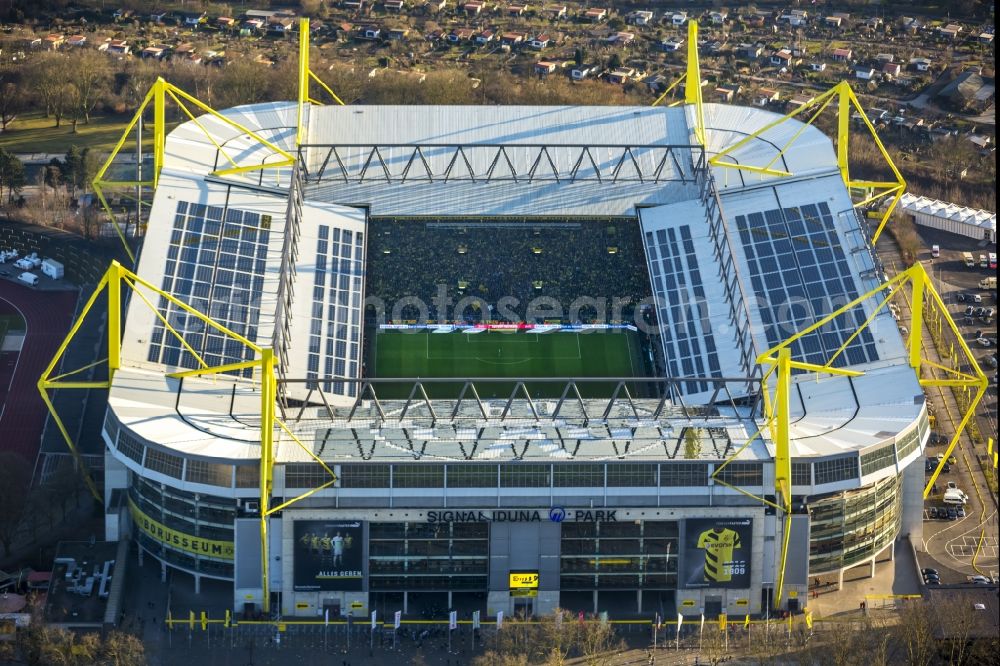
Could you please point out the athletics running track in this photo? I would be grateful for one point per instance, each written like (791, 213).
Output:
(47, 315)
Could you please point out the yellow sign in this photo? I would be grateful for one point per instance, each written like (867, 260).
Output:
(741, 602)
(688, 603)
(524, 593)
(357, 604)
(179, 540)
(792, 594)
(524, 580)
(300, 605)
(282, 626)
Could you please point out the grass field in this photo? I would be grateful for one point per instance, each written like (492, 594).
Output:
(9, 322)
(502, 355)
(34, 133)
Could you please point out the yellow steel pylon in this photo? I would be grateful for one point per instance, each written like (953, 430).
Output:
(306, 76)
(846, 99)
(779, 365)
(112, 281)
(157, 97)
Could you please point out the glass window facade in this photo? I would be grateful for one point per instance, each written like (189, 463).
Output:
(684, 474)
(880, 458)
(627, 555)
(428, 556)
(194, 515)
(850, 527)
(578, 476)
(524, 475)
(742, 474)
(838, 469)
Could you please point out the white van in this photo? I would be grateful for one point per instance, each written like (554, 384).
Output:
(53, 269)
(955, 496)
(935, 251)
(29, 279)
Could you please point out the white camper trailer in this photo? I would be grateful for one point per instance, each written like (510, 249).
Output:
(53, 269)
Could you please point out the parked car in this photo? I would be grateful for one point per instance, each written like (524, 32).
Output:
(960, 511)
(980, 580)
(983, 342)
(953, 460)
(929, 571)
(933, 581)
(952, 514)
(952, 485)
(960, 298)
(946, 468)
(932, 512)
(969, 310)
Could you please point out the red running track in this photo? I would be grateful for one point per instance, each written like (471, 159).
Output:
(48, 315)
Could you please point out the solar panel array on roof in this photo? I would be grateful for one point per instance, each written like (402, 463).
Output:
(681, 307)
(799, 273)
(215, 263)
(335, 331)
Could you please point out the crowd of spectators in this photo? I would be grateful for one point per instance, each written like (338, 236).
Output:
(488, 260)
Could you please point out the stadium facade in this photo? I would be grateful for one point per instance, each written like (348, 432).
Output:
(659, 498)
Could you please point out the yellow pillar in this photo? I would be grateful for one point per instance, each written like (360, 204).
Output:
(844, 129)
(159, 127)
(692, 82)
(916, 318)
(267, 397)
(782, 457)
(114, 319)
(303, 76)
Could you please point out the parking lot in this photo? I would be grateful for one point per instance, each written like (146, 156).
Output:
(959, 538)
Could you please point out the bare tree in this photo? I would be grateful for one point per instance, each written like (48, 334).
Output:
(15, 478)
(916, 633)
(598, 643)
(91, 79)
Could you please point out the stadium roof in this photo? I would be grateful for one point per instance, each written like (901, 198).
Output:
(914, 204)
(219, 243)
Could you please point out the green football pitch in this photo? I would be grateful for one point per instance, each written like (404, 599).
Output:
(518, 355)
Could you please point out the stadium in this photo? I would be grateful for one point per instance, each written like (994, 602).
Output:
(623, 359)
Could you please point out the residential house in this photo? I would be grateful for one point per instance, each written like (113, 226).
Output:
(874, 23)
(798, 101)
(842, 54)
(656, 83)
(596, 14)
(718, 17)
(798, 51)
(394, 6)
(459, 35)
(795, 17)
(621, 75)
(556, 12)
(864, 72)
(677, 19)
(639, 17)
(194, 19)
(516, 10)
(54, 42)
(817, 66)
(540, 41)
(885, 57)
(435, 5)
(153, 52)
(891, 69)
(985, 38)
(833, 21)
(33, 43)
(544, 67)
(119, 47)
(671, 44)
(484, 37)
(76, 40)
(252, 26)
(781, 58)
(724, 95)
(473, 8)
(122, 14)
(370, 32)
(225, 22)
(950, 31)
(921, 64)
(580, 72)
(354, 5)
(621, 38)
(751, 51)
(159, 16)
(281, 25)
(435, 36)
(398, 34)
(512, 39)
(765, 96)
(184, 50)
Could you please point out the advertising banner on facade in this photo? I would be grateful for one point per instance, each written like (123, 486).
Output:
(328, 555)
(716, 552)
(222, 550)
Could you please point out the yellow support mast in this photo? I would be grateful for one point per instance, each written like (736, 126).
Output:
(692, 85)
